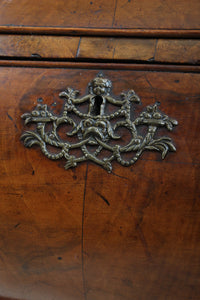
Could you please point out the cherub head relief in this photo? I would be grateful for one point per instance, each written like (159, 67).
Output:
(100, 86)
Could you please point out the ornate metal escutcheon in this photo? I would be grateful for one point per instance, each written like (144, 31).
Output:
(104, 132)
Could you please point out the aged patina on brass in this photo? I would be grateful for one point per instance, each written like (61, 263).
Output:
(98, 129)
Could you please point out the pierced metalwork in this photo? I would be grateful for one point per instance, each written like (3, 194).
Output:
(107, 124)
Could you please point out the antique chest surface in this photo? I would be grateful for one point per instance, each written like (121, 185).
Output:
(99, 176)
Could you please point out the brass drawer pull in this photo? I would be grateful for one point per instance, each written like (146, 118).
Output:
(98, 128)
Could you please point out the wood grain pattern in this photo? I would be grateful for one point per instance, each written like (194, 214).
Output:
(80, 48)
(38, 46)
(115, 48)
(75, 31)
(98, 65)
(151, 50)
(182, 51)
(156, 14)
(60, 239)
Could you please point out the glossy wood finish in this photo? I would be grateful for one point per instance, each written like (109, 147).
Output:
(80, 48)
(97, 65)
(150, 50)
(60, 239)
(178, 51)
(38, 46)
(74, 31)
(155, 14)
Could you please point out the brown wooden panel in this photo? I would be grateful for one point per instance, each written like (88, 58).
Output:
(115, 48)
(86, 31)
(156, 50)
(99, 65)
(183, 51)
(167, 14)
(38, 46)
(151, 50)
(58, 13)
(156, 14)
(147, 247)
(60, 239)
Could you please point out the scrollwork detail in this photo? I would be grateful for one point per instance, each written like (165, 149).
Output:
(98, 128)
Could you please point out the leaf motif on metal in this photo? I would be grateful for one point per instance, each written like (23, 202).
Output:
(104, 132)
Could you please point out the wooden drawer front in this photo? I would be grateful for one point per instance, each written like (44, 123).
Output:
(111, 15)
(154, 50)
(83, 233)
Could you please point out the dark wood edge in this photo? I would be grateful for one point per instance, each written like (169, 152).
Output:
(6, 298)
(165, 33)
(109, 66)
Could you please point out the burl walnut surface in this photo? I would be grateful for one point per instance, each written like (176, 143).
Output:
(86, 234)
(112, 14)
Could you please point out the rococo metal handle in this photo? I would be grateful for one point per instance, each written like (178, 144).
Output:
(98, 128)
